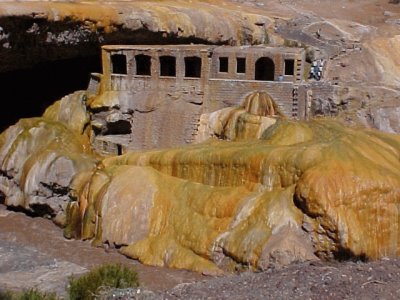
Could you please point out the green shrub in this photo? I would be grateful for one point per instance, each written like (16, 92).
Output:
(32, 294)
(290, 43)
(106, 276)
(6, 295)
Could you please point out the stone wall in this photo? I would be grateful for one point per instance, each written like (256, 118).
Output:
(225, 93)
(164, 111)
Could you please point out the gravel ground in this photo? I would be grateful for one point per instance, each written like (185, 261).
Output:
(313, 280)
(30, 248)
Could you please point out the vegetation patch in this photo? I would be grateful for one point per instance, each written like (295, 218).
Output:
(32, 294)
(102, 278)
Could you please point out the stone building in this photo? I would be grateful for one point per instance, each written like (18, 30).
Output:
(153, 96)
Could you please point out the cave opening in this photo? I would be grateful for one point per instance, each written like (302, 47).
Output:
(28, 92)
(35, 74)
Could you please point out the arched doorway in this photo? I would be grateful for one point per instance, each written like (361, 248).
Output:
(265, 69)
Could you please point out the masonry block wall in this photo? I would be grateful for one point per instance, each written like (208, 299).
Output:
(225, 93)
(165, 89)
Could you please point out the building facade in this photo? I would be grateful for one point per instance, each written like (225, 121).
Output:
(156, 94)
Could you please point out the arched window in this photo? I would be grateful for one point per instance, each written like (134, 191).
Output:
(193, 66)
(265, 69)
(167, 66)
(143, 64)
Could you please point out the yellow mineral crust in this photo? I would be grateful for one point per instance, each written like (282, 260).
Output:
(41, 155)
(248, 121)
(304, 188)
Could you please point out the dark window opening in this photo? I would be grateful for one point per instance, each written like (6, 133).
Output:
(265, 69)
(241, 65)
(119, 149)
(223, 64)
(118, 127)
(289, 66)
(118, 62)
(193, 67)
(143, 64)
(167, 66)
(2, 198)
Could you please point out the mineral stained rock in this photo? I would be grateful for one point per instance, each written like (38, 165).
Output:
(40, 156)
(304, 189)
(249, 121)
(273, 192)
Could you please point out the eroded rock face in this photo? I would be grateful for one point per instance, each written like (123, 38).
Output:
(269, 191)
(249, 121)
(31, 33)
(273, 192)
(40, 156)
(305, 189)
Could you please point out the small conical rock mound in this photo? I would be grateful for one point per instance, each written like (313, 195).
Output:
(261, 104)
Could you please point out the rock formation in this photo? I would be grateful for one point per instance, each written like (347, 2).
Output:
(256, 189)
(40, 156)
(298, 191)
(358, 41)
(31, 33)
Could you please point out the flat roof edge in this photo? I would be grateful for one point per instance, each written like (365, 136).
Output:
(214, 48)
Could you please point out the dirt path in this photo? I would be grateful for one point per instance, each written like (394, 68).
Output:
(310, 280)
(315, 280)
(33, 253)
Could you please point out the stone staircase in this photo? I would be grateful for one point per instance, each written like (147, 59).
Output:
(295, 103)
(298, 71)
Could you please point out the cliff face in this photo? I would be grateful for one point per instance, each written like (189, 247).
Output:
(37, 32)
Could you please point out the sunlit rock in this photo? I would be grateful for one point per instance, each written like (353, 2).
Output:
(250, 120)
(40, 156)
(301, 191)
(259, 190)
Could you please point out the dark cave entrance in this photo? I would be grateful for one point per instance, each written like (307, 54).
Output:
(27, 93)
